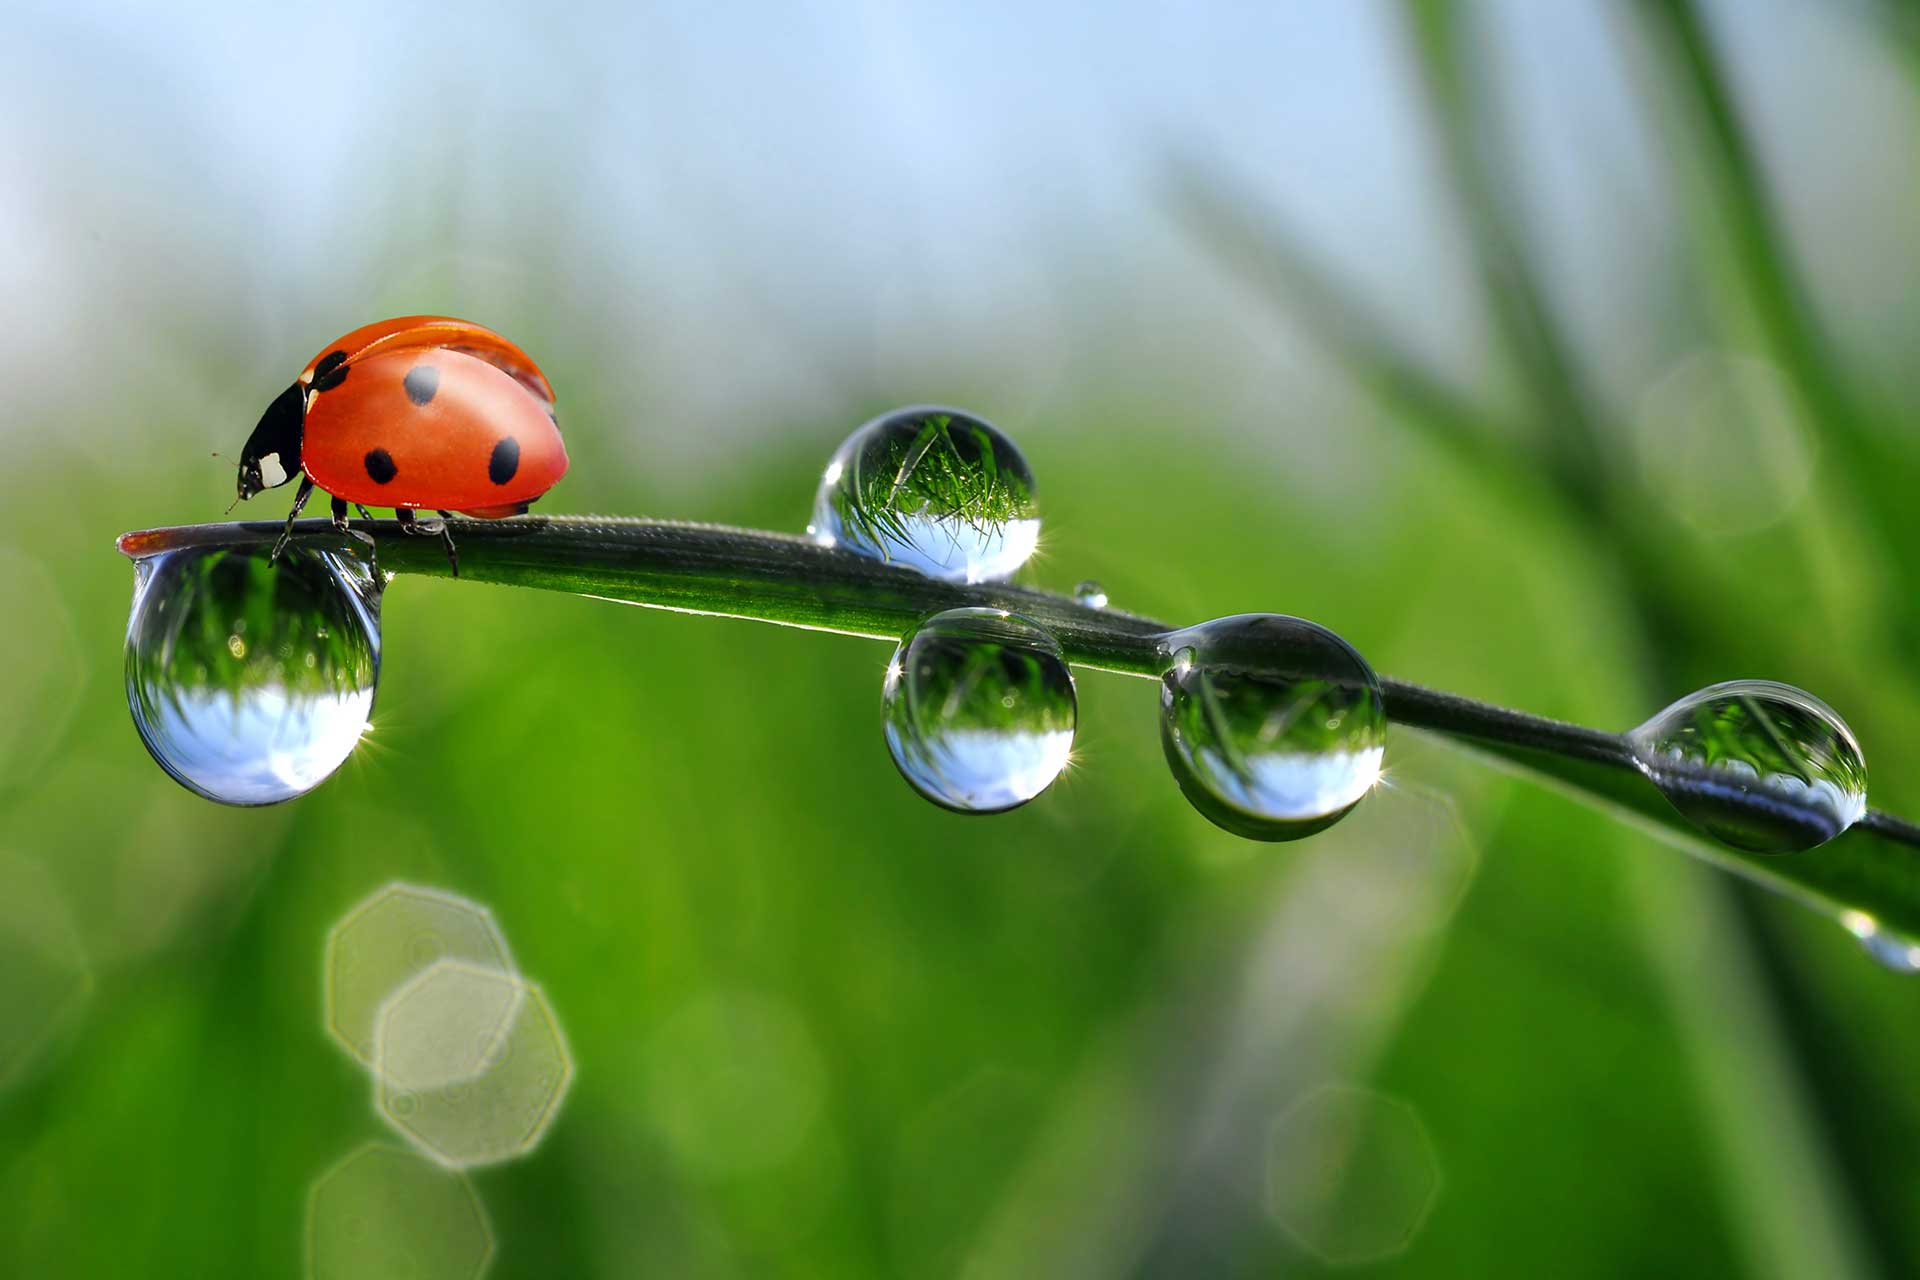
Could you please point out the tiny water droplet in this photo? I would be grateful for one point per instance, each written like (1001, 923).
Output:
(242, 722)
(1756, 764)
(1890, 950)
(1273, 726)
(934, 489)
(980, 709)
(1091, 594)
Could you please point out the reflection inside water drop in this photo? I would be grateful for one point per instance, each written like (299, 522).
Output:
(1757, 764)
(1273, 726)
(934, 489)
(251, 682)
(980, 710)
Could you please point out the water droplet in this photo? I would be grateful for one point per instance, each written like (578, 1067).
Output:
(1274, 726)
(1091, 594)
(980, 709)
(934, 489)
(1756, 764)
(1902, 955)
(225, 713)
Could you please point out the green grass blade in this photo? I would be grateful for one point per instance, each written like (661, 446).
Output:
(783, 579)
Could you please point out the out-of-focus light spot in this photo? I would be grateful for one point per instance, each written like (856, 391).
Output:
(1722, 445)
(499, 1113)
(45, 979)
(734, 1082)
(385, 1211)
(41, 655)
(953, 1162)
(390, 939)
(1351, 1174)
(446, 1026)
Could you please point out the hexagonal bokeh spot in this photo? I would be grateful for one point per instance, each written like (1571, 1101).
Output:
(1411, 859)
(45, 979)
(386, 1211)
(952, 1165)
(390, 939)
(45, 666)
(504, 1109)
(1351, 1174)
(735, 1082)
(446, 1026)
(1722, 443)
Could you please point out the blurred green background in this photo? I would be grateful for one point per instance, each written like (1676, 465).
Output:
(1556, 355)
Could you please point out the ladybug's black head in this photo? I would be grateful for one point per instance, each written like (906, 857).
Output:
(272, 455)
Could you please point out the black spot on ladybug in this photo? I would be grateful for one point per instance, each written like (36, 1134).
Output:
(505, 461)
(331, 371)
(421, 382)
(380, 466)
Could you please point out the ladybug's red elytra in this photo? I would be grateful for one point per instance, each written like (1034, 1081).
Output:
(415, 413)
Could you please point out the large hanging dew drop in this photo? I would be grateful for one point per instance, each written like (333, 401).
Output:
(934, 489)
(1756, 764)
(251, 681)
(1274, 726)
(980, 710)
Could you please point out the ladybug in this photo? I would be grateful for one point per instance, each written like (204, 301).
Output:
(415, 413)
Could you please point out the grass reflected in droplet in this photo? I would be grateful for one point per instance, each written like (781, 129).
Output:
(251, 681)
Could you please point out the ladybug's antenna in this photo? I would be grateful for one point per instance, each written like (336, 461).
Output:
(236, 497)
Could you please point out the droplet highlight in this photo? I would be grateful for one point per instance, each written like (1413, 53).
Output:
(1274, 726)
(932, 488)
(1757, 765)
(251, 682)
(980, 710)
(1888, 949)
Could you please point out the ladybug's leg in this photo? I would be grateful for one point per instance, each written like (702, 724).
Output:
(446, 537)
(286, 534)
(360, 535)
(411, 524)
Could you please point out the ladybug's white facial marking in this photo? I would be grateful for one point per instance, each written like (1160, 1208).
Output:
(272, 453)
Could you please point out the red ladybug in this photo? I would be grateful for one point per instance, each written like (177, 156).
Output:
(418, 412)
